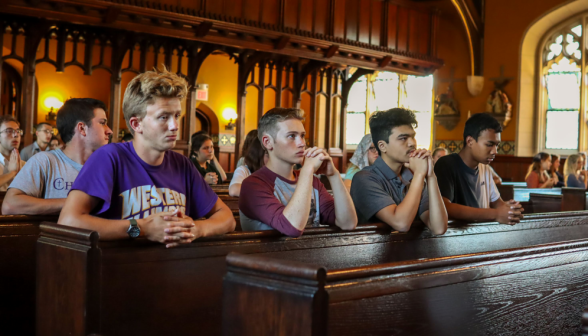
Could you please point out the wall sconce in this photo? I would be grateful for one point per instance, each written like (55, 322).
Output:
(230, 114)
(52, 103)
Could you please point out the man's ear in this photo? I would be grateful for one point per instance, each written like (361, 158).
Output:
(81, 128)
(382, 146)
(470, 141)
(135, 124)
(267, 142)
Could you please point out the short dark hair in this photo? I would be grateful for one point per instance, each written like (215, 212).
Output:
(382, 123)
(198, 140)
(38, 127)
(8, 118)
(127, 137)
(254, 156)
(478, 123)
(267, 123)
(73, 111)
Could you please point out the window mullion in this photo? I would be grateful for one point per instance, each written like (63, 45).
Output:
(583, 145)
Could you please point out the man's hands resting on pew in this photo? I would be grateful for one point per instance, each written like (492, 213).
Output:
(171, 228)
(510, 212)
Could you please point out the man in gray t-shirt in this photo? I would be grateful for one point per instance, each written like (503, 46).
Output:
(41, 187)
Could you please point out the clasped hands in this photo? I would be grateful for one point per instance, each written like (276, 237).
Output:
(421, 163)
(171, 228)
(319, 160)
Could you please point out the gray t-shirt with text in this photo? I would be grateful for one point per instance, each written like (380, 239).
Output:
(47, 175)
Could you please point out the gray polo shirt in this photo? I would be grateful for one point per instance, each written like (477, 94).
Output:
(30, 150)
(377, 186)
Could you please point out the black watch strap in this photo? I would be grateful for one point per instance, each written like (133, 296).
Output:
(134, 231)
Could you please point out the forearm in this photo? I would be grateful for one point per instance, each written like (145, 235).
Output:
(406, 211)
(220, 169)
(470, 214)
(29, 205)
(106, 228)
(345, 216)
(298, 209)
(235, 190)
(437, 212)
(219, 223)
(7, 177)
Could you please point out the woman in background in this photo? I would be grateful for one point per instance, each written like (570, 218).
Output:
(255, 158)
(538, 176)
(573, 172)
(554, 171)
(205, 161)
(365, 155)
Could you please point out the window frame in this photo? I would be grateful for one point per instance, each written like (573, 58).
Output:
(542, 102)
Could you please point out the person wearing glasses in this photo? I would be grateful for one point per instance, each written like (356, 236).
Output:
(10, 162)
(41, 187)
(44, 133)
(365, 155)
(401, 185)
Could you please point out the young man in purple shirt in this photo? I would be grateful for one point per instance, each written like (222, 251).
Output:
(277, 197)
(143, 188)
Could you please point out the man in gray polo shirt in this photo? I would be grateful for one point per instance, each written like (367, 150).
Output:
(41, 187)
(44, 133)
(387, 191)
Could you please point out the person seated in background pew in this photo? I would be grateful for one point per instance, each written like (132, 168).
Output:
(44, 132)
(388, 191)
(142, 187)
(255, 158)
(538, 176)
(465, 181)
(42, 185)
(10, 162)
(251, 136)
(54, 143)
(278, 197)
(205, 161)
(554, 171)
(127, 138)
(574, 176)
(365, 155)
(438, 153)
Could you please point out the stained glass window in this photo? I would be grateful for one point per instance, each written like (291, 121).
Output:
(562, 81)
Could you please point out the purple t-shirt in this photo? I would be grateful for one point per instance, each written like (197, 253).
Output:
(130, 188)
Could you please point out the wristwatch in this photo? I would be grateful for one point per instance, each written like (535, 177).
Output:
(134, 230)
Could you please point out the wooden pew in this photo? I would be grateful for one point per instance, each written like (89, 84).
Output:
(535, 290)
(571, 199)
(87, 286)
(18, 236)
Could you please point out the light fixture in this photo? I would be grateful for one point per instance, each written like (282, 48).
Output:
(52, 103)
(230, 114)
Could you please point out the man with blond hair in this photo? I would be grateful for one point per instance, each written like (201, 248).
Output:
(142, 187)
(277, 197)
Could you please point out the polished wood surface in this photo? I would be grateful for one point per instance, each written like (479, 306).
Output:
(118, 303)
(18, 235)
(533, 290)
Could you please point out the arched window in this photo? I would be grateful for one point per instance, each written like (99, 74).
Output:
(562, 95)
(386, 90)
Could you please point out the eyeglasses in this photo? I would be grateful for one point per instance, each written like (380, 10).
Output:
(46, 131)
(13, 132)
(373, 150)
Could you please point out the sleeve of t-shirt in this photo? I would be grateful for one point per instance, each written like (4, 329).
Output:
(31, 178)
(369, 196)
(445, 178)
(202, 197)
(533, 180)
(97, 177)
(494, 193)
(239, 175)
(573, 182)
(258, 202)
(326, 203)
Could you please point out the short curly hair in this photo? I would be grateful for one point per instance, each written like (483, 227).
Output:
(382, 123)
(146, 87)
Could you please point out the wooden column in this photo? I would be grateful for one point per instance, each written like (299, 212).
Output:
(328, 108)
(279, 74)
(120, 46)
(261, 89)
(312, 113)
(241, 105)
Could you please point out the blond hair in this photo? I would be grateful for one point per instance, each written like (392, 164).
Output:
(146, 87)
(571, 166)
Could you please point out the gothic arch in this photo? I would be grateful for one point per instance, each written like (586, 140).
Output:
(205, 113)
(527, 116)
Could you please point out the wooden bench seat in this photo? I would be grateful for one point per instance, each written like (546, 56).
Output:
(87, 286)
(534, 290)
